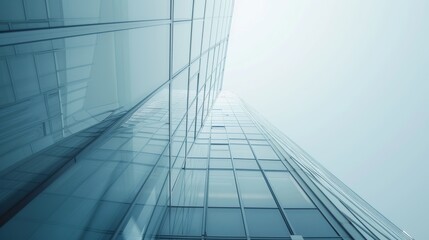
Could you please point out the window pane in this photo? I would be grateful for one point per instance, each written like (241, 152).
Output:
(182, 221)
(179, 90)
(245, 164)
(196, 163)
(219, 151)
(220, 163)
(189, 189)
(254, 190)
(199, 150)
(309, 223)
(222, 189)
(287, 190)
(241, 151)
(181, 45)
(224, 222)
(272, 165)
(182, 9)
(264, 152)
(266, 223)
(197, 34)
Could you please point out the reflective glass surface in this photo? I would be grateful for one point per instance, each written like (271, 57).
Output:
(113, 125)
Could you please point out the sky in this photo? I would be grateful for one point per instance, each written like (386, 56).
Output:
(348, 81)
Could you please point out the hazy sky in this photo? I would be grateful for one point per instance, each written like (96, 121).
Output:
(348, 80)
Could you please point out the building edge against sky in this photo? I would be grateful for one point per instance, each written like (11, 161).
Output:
(112, 128)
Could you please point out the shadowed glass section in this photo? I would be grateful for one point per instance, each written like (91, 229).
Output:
(58, 108)
(22, 14)
(265, 223)
(302, 219)
(225, 222)
(109, 181)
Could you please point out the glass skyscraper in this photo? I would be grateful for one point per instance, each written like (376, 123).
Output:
(114, 126)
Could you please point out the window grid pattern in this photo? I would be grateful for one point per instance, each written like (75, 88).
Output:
(156, 66)
(226, 190)
(112, 127)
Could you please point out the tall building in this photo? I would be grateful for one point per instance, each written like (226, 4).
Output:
(113, 126)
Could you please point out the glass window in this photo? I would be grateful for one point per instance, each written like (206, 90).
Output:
(34, 14)
(199, 150)
(179, 97)
(220, 163)
(225, 222)
(127, 185)
(199, 8)
(254, 190)
(309, 223)
(287, 190)
(265, 223)
(189, 189)
(219, 151)
(182, 9)
(245, 164)
(181, 45)
(182, 221)
(241, 151)
(222, 189)
(272, 165)
(196, 163)
(264, 152)
(197, 34)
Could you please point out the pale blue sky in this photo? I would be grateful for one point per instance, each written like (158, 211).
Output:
(348, 80)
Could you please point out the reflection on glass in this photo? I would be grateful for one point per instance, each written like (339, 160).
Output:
(265, 223)
(254, 190)
(189, 189)
(309, 223)
(18, 15)
(95, 193)
(272, 165)
(226, 222)
(181, 45)
(222, 189)
(264, 152)
(241, 151)
(182, 221)
(287, 190)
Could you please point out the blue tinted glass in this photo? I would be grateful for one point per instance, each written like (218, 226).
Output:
(179, 97)
(181, 45)
(196, 163)
(264, 152)
(182, 222)
(34, 14)
(182, 9)
(226, 222)
(272, 165)
(287, 190)
(241, 151)
(199, 8)
(197, 33)
(265, 223)
(220, 163)
(245, 164)
(254, 190)
(222, 189)
(309, 223)
(189, 189)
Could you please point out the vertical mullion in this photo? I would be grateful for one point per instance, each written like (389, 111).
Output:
(189, 81)
(206, 195)
(170, 74)
(282, 212)
(199, 69)
(240, 200)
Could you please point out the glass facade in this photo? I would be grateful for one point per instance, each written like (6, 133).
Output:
(114, 126)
